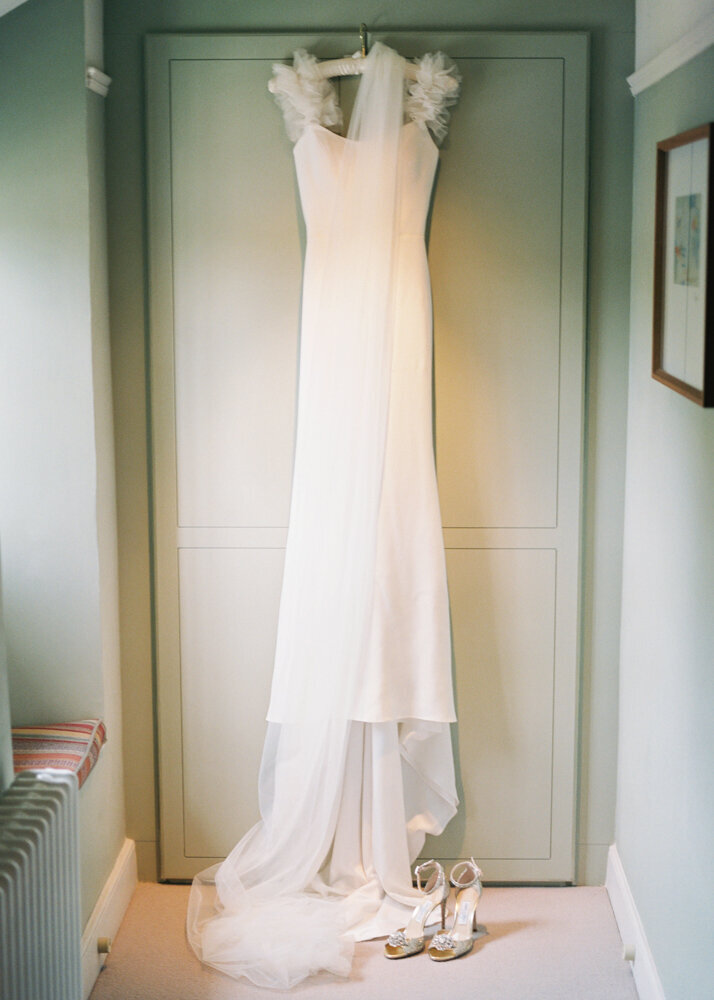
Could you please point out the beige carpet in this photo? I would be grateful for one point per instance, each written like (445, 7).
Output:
(542, 944)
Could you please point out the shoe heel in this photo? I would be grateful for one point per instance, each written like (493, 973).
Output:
(443, 913)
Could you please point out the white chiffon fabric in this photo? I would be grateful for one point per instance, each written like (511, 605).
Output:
(357, 765)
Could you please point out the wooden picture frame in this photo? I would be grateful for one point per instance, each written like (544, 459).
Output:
(683, 321)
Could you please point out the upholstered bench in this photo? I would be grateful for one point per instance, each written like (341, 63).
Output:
(70, 746)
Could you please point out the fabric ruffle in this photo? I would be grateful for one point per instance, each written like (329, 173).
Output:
(432, 93)
(307, 98)
(304, 96)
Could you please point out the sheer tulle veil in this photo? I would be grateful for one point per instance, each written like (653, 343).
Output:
(311, 875)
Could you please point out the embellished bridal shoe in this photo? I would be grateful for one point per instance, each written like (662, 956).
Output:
(466, 879)
(410, 940)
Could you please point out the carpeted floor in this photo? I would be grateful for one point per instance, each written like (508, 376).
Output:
(542, 944)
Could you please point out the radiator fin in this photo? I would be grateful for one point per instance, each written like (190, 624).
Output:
(40, 923)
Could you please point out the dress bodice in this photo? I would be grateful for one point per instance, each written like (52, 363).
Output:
(318, 153)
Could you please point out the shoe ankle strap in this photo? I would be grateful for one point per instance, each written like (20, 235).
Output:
(465, 874)
(438, 871)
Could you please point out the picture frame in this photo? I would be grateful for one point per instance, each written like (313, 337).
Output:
(683, 320)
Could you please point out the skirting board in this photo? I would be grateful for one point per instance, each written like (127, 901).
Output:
(631, 930)
(108, 913)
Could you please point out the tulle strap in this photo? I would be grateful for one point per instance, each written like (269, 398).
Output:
(304, 96)
(307, 98)
(432, 93)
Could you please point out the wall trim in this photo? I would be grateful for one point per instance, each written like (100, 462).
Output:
(635, 946)
(690, 45)
(108, 913)
(7, 5)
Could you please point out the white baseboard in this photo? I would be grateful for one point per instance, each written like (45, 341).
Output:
(631, 930)
(107, 915)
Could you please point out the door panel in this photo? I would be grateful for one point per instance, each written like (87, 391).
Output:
(503, 619)
(229, 615)
(236, 289)
(495, 262)
(507, 239)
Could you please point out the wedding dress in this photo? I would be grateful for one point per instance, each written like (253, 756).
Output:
(357, 765)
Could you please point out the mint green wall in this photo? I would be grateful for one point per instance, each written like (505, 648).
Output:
(49, 565)
(611, 23)
(665, 795)
(57, 516)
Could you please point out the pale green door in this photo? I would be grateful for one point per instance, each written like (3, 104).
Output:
(507, 256)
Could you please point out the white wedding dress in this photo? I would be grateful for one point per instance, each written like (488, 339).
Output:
(357, 766)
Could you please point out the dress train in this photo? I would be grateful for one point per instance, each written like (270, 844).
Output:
(364, 795)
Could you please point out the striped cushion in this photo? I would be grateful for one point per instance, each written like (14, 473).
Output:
(72, 746)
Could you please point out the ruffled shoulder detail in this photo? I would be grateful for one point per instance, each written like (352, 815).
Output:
(304, 96)
(434, 91)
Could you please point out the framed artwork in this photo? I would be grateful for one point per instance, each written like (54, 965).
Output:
(683, 335)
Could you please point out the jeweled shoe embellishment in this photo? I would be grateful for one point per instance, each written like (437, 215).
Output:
(443, 942)
(410, 939)
(466, 879)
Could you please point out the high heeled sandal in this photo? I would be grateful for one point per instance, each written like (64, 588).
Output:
(410, 939)
(466, 879)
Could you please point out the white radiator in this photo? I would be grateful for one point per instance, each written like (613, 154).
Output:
(40, 932)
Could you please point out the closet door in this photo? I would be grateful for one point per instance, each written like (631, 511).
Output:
(507, 256)
(507, 260)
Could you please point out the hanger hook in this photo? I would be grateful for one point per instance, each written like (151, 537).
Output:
(363, 38)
